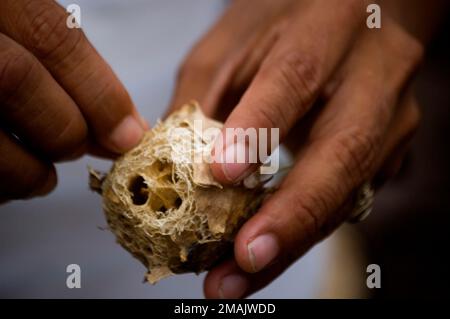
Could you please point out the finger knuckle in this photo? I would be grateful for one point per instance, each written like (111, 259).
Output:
(307, 214)
(297, 73)
(411, 54)
(15, 68)
(107, 94)
(196, 64)
(411, 120)
(106, 107)
(45, 32)
(69, 140)
(414, 51)
(415, 118)
(273, 115)
(354, 150)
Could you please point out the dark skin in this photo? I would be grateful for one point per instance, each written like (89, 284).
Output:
(58, 98)
(339, 93)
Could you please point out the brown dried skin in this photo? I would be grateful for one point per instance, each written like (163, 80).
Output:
(170, 214)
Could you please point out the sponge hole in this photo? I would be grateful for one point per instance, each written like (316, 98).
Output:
(178, 202)
(138, 190)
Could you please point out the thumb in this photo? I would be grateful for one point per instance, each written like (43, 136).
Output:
(264, 116)
(285, 86)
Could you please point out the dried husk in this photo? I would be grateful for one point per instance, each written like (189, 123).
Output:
(168, 212)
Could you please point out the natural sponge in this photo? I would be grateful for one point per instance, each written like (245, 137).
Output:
(165, 208)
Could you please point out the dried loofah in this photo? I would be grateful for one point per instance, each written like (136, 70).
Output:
(167, 210)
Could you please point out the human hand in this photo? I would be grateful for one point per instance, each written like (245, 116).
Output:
(338, 92)
(58, 98)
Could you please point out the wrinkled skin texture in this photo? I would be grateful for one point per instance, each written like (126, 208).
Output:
(58, 98)
(338, 91)
(340, 94)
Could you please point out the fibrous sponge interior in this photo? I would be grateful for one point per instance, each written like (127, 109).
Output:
(163, 206)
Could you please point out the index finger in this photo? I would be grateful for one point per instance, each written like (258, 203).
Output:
(40, 26)
(289, 79)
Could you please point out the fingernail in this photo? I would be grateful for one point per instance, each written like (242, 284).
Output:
(235, 162)
(127, 134)
(233, 286)
(262, 251)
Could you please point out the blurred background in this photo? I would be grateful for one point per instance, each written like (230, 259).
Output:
(145, 41)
